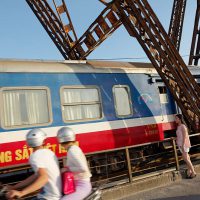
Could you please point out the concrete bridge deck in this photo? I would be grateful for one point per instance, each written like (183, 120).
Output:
(168, 185)
(184, 189)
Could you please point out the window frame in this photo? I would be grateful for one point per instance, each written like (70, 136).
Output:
(62, 104)
(129, 99)
(167, 96)
(49, 106)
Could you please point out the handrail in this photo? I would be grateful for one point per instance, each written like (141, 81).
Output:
(111, 168)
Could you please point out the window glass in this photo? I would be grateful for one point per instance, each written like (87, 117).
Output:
(122, 100)
(25, 107)
(163, 94)
(81, 104)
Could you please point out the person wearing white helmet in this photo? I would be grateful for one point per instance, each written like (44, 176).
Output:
(46, 177)
(76, 163)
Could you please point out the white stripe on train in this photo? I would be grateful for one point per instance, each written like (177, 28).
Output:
(19, 135)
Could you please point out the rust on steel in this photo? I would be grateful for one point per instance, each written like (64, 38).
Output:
(176, 22)
(102, 27)
(54, 27)
(62, 10)
(141, 22)
(105, 2)
(69, 46)
(195, 46)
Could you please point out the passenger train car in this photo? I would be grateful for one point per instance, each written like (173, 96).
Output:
(107, 104)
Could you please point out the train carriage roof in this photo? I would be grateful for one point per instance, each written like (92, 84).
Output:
(71, 66)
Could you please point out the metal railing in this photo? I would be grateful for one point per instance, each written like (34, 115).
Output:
(128, 163)
(123, 165)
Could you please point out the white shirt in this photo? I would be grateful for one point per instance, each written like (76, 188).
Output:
(179, 139)
(45, 158)
(77, 163)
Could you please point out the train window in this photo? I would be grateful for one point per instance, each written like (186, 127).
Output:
(25, 107)
(81, 103)
(163, 94)
(122, 100)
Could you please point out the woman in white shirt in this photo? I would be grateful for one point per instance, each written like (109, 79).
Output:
(76, 163)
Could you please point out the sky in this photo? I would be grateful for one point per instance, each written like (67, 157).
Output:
(23, 37)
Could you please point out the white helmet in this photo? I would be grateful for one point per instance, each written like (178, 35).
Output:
(65, 134)
(35, 137)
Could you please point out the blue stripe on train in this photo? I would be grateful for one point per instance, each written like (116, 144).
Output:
(145, 96)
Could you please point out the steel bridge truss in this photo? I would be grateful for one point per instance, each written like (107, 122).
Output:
(141, 22)
(176, 22)
(52, 23)
(71, 48)
(195, 46)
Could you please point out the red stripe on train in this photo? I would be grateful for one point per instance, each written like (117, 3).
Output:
(18, 153)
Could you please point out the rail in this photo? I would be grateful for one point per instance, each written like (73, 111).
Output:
(126, 164)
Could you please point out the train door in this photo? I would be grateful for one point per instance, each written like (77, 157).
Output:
(168, 108)
(163, 98)
(167, 104)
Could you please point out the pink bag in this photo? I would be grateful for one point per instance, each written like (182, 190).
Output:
(68, 185)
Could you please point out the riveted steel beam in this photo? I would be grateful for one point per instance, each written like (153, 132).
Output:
(195, 46)
(141, 22)
(54, 26)
(176, 22)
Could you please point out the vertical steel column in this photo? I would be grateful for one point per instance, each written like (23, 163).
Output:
(175, 154)
(176, 22)
(129, 165)
(195, 46)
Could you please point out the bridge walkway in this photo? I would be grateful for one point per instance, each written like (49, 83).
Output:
(167, 185)
(184, 189)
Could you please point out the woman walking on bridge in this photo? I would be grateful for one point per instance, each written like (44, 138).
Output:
(183, 142)
(76, 163)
